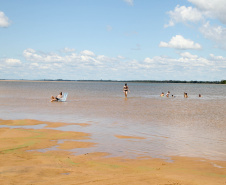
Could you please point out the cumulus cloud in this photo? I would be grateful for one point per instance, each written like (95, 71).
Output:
(182, 14)
(188, 55)
(88, 53)
(129, 2)
(4, 20)
(37, 65)
(32, 55)
(179, 42)
(85, 58)
(203, 10)
(34, 64)
(186, 62)
(213, 8)
(12, 62)
(215, 33)
(217, 58)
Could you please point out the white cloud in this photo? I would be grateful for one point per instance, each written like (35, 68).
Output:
(88, 53)
(121, 57)
(187, 62)
(188, 55)
(213, 8)
(12, 62)
(215, 33)
(217, 58)
(192, 61)
(58, 65)
(4, 21)
(182, 14)
(32, 55)
(85, 58)
(79, 66)
(89, 60)
(179, 42)
(46, 67)
(34, 64)
(105, 59)
(203, 12)
(130, 2)
(203, 9)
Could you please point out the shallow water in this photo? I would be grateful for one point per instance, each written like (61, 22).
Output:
(192, 126)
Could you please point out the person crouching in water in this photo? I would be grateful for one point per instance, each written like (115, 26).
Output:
(185, 95)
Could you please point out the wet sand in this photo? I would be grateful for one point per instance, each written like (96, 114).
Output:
(21, 163)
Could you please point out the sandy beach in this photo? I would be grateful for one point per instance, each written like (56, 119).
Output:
(21, 163)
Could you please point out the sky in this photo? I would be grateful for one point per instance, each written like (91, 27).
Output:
(113, 39)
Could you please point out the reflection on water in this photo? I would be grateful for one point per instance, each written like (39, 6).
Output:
(176, 125)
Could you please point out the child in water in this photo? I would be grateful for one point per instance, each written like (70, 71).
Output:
(186, 95)
(167, 95)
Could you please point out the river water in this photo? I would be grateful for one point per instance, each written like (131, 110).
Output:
(174, 126)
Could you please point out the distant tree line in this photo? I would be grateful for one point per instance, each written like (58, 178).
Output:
(179, 81)
(140, 81)
(223, 81)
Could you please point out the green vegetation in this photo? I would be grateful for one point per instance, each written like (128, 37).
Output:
(223, 81)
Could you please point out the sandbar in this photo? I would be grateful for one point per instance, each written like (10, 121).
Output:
(22, 163)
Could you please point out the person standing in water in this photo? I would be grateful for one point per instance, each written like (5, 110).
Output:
(125, 89)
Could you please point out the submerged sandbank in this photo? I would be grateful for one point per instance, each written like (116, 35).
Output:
(22, 163)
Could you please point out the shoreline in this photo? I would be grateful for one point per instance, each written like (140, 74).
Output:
(18, 166)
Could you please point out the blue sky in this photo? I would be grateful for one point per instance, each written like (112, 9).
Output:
(113, 39)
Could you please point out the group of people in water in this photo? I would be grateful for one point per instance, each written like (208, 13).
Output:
(125, 90)
(185, 95)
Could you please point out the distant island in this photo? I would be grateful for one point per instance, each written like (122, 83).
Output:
(134, 81)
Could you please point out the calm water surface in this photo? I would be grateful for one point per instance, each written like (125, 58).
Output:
(194, 127)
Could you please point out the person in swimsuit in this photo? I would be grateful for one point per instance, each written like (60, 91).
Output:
(125, 89)
(162, 94)
(57, 97)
